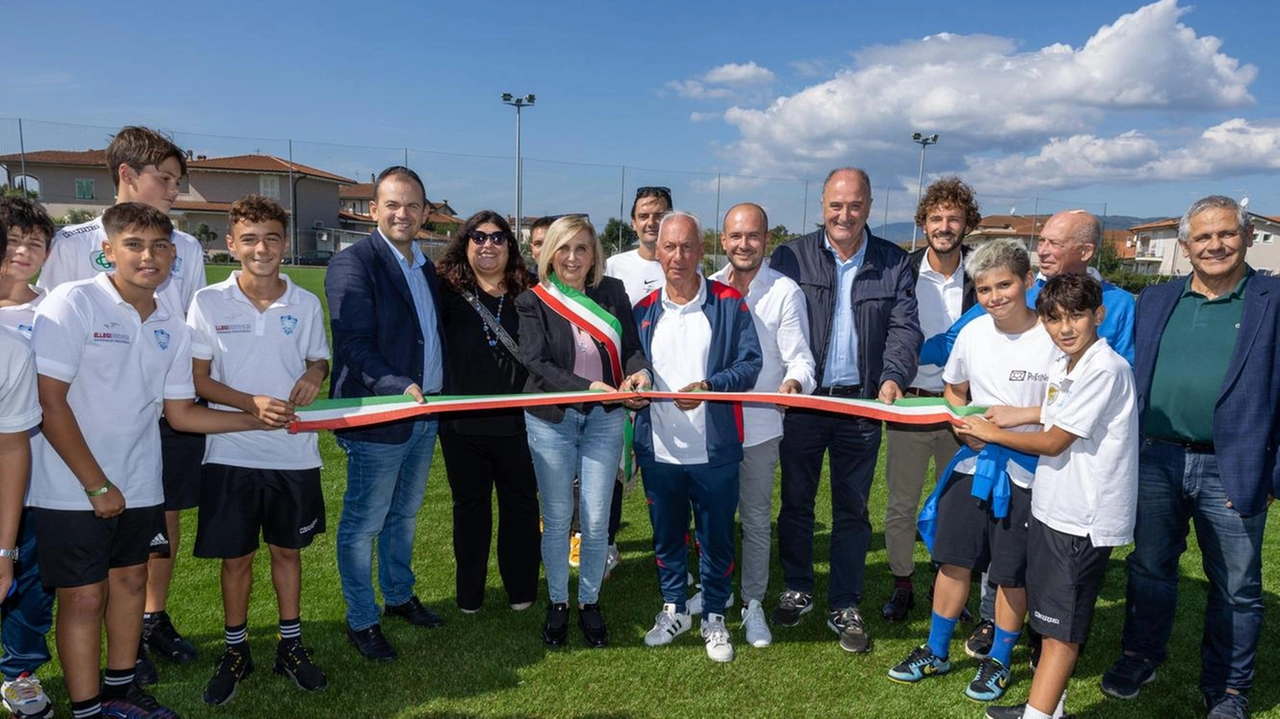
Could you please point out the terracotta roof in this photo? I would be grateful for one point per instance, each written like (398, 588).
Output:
(360, 191)
(61, 157)
(262, 163)
(1158, 224)
(1010, 224)
(193, 206)
(354, 217)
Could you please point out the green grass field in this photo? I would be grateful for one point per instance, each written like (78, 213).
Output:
(494, 664)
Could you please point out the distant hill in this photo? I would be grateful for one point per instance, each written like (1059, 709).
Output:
(901, 231)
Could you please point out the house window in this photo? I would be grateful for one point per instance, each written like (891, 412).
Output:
(84, 189)
(28, 182)
(269, 186)
(1266, 238)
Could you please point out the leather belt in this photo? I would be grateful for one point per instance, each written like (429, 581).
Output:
(840, 390)
(917, 392)
(1197, 447)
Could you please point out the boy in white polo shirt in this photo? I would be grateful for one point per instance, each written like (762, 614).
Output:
(258, 344)
(982, 515)
(111, 355)
(1086, 489)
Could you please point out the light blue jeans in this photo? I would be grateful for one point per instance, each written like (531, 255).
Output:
(588, 446)
(385, 487)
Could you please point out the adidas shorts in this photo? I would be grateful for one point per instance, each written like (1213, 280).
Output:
(237, 503)
(181, 462)
(969, 536)
(76, 548)
(1064, 576)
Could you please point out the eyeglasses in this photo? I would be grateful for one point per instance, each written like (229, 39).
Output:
(498, 239)
(655, 191)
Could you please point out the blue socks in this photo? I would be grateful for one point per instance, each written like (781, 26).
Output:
(1002, 647)
(940, 631)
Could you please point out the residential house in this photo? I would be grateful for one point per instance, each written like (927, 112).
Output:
(1156, 251)
(1022, 228)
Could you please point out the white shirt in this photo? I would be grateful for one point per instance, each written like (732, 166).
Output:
(681, 342)
(1001, 369)
(941, 302)
(782, 324)
(260, 353)
(19, 401)
(121, 369)
(640, 276)
(76, 254)
(20, 319)
(1091, 489)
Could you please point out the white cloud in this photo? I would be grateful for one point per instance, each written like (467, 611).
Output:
(1001, 109)
(703, 116)
(736, 74)
(732, 81)
(697, 90)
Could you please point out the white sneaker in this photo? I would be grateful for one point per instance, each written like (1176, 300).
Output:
(24, 697)
(612, 558)
(716, 635)
(668, 625)
(695, 603)
(758, 634)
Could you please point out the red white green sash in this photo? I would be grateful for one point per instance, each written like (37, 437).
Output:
(585, 314)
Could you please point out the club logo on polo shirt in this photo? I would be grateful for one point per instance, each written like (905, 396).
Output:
(176, 269)
(288, 324)
(110, 333)
(98, 259)
(233, 328)
(162, 339)
(1022, 375)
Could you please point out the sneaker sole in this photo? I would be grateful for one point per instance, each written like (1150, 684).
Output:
(921, 678)
(1126, 697)
(984, 700)
(975, 655)
(230, 696)
(286, 673)
(46, 714)
(852, 650)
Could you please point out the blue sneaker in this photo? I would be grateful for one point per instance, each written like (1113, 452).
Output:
(991, 681)
(920, 663)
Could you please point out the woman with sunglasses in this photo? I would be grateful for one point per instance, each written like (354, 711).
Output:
(481, 274)
(577, 333)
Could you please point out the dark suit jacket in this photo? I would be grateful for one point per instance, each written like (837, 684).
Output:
(377, 340)
(884, 306)
(970, 297)
(1246, 418)
(547, 345)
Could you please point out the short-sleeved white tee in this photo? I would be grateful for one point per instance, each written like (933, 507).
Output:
(640, 276)
(121, 368)
(1001, 369)
(260, 353)
(20, 319)
(19, 401)
(1091, 489)
(76, 254)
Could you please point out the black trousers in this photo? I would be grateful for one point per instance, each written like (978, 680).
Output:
(476, 466)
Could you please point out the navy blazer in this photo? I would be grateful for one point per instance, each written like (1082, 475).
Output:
(377, 340)
(1246, 418)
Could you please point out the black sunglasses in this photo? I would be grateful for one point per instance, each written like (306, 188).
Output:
(655, 191)
(498, 238)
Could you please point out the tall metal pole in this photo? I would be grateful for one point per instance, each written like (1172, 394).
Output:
(804, 214)
(22, 155)
(518, 173)
(925, 141)
(293, 215)
(622, 205)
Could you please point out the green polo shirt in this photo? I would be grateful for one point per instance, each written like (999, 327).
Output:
(1195, 351)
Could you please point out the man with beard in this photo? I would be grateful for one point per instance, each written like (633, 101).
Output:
(782, 324)
(946, 213)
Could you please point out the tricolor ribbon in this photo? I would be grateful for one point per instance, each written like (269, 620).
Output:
(585, 314)
(362, 412)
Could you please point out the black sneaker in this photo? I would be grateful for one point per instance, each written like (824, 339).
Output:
(413, 612)
(235, 665)
(164, 640)
(900, 603)
(1013, 712)
(848, 624)
(979, 643)
(591, 621)
(136, 703)
(294, 661)
(791, 606)
(1035, 642)
(144, 670)
(1227, 706)
(1125, 678)
(555, 630)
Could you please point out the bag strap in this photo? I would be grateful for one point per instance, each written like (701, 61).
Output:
(494, 325)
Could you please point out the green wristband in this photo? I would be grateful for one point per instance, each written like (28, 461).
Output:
(99, 491)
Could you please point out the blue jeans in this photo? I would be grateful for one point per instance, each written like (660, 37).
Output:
(1174, 486)
(385, 487)
(27, 615)
(587, 446)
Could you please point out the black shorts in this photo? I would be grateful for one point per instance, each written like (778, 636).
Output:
(181, 459)
(236, 504)
(76, 548)
(1064, 576)
(969, 535)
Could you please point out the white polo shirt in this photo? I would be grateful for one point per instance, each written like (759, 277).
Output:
(19, 401)
(1001, 369)
(76, 254)
(941, 302)
(261, 353)
(638, 275)
(20, 319)
(121, 369)
(681, 343)
(782, 323)
(1091, 489)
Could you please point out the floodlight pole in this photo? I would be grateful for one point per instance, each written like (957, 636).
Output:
(925, 141)
(518, 103)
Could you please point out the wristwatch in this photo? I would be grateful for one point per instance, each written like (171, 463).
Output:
(9, 554)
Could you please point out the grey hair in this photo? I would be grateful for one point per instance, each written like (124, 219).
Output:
(697, 224)
(866, 179)
(996, 254)
(1213, 202)
(1089, 231)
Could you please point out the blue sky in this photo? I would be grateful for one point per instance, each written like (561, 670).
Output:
(1142, 108)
